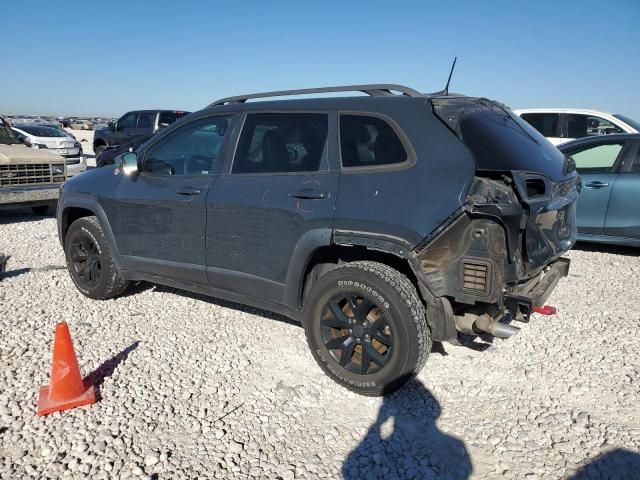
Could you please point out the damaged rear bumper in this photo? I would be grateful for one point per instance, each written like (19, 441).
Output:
(520, 299)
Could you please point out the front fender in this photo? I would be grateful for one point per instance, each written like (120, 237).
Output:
(87, 202)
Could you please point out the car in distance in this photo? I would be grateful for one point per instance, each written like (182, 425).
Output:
(608, 209)
(58, 141)
(28, 177)
(381, 222)
(108, 155)
(133, 125)
(562, 125)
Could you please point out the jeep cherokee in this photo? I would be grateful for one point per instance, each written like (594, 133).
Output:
(381, 221)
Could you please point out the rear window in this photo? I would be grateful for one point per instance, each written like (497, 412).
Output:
(367, 141)
(548, 124)
(167, 118)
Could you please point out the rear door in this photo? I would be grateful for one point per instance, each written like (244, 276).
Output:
(279, 188)
(548, 124)
(597, 164)
(145, 125)
(623, 214)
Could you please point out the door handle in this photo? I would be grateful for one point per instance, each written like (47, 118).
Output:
(308, 194)
(189, 191)
(596, 184)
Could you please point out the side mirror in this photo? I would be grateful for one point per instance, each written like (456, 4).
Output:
(129, 162)
(111, 126)
(26, 141)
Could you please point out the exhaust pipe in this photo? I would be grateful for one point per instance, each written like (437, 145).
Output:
(475, 324)
(496, 327)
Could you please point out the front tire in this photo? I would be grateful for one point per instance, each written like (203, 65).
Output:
(98, 151)
(366, 327)
(89, 260)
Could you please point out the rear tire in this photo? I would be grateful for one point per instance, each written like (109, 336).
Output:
(90, 262)
(366, 327)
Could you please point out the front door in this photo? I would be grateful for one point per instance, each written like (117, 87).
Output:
(159, 215)
(279, 188)
(124, 128)
(597, 164)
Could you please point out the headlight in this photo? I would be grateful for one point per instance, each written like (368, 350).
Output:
(57, 169)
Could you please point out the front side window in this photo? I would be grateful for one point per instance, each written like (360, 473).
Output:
(281, 143)
(548, 124)
(598, 159)
(128, 121)
(146, 119)
(367, 141)
(579, 126)
(190, 150)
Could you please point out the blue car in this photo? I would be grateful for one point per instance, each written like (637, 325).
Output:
(609, 204)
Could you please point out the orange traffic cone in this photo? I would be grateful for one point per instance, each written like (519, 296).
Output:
(66, 389)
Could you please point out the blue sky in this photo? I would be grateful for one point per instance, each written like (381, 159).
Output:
(104, 58)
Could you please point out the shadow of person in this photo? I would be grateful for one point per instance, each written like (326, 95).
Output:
(404, 442)
(618, 464)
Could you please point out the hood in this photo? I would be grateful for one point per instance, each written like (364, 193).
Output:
(23, 154)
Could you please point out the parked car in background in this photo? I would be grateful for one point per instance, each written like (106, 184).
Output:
(28, 177)
(562, 125)
(609, 205)
(80, 125)
(108, 155)
(381, 222)
(58, 141)
(133, 125)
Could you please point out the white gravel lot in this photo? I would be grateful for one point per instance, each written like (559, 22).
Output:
(197, 387)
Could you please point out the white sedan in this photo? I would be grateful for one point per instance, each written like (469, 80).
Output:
(57, 141)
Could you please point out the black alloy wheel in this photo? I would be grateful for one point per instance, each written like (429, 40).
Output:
(356, 333)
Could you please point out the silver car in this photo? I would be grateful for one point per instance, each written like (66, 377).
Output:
(57, 141)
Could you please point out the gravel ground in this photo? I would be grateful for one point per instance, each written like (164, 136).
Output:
(197, 387)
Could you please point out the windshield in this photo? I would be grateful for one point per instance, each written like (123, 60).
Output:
(39, 131)
(6, 134)
(628, 121)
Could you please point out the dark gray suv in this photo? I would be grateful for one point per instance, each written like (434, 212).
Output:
(381, 221)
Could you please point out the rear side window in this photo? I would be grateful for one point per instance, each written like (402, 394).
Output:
(579, 126)
(367, 141)
(167, 118)
(548, 124)
(281, 142)
(598, 159)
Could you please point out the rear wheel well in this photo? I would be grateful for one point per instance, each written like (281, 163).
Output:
(326, 258)
(98, 143)
(70, 215)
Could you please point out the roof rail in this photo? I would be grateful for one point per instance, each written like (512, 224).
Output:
(375, 90)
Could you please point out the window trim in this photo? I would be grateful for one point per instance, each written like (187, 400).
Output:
(323, 167)
(617, 164)
(167, 133)
(409, 162)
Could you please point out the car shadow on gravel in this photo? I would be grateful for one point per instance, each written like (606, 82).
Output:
(107, 368)
(619, 464)
(405, 442)
(20, 216)
(606, 248)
